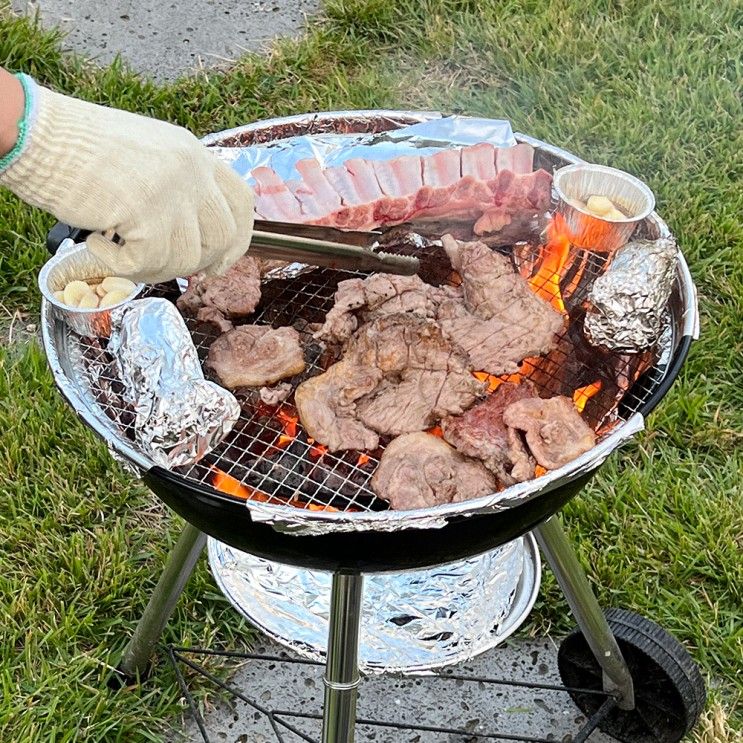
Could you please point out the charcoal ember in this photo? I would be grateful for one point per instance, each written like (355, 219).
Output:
(574, 363)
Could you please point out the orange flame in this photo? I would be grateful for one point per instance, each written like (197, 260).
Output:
(227, 484)
(546, 282)
(436, 431)
(583, 394)
(289, 423)
(316, 450)
(495, 382)
(363, 459)
(539, 470)
(232, 486)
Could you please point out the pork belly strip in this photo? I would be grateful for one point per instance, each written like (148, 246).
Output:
(412, 377)
(481, 433)
(418, 470)
(256, 355)
(555, 433)
(495, 185)
(219, 299)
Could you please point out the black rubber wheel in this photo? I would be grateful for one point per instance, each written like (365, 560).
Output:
(669, 690)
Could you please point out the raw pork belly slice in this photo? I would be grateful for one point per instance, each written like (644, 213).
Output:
(399, 180)
(519, 159)
(418, 470)
(255, 355)
(273, 199)
(377, 295)
(218, 299)
(478, 161)
(515, 195)
(481, 433)
(501, 321)
(326, 406)
(555, 432)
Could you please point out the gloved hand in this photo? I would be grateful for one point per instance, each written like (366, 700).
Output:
(177, 208)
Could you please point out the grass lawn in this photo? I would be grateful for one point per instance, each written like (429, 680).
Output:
(650, 86)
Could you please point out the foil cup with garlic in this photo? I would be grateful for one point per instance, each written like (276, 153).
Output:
(82, 292)
(601, 206)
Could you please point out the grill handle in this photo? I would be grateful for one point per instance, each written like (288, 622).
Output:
(61, 232)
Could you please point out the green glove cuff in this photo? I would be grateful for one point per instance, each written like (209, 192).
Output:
(25, 124)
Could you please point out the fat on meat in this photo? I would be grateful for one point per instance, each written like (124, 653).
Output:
(418, 470)
(256, 355)
(554, 431)
(481, 433)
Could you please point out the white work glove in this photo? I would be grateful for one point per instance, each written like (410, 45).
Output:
(175, 206)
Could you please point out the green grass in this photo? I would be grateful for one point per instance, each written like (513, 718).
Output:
(649, 86)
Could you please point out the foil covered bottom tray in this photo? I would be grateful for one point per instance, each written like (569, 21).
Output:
(411, 622)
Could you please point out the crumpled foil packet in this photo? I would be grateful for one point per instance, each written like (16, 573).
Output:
(413, 621)
(333, 149)
(628, 302)
(179, 416)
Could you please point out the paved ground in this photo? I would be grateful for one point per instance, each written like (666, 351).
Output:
(473, 707)
(168, 39)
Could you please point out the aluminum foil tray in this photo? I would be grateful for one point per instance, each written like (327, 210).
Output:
(411, 622)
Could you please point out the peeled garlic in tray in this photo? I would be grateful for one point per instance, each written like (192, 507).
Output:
(89, 295)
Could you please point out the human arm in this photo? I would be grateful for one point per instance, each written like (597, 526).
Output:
(11, 110)
(177, 209)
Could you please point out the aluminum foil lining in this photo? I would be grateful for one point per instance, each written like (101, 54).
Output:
(179, 416)
(423, 138)
(290, 520)
(411, 622)
(629, 301)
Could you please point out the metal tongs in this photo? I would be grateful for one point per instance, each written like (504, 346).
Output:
(326, 246)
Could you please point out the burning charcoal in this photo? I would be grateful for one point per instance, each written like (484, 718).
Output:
(574, 363)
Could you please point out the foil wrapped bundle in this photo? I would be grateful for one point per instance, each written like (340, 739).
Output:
(628, 302)
(179, 416)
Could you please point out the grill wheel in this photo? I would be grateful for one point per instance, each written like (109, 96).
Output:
(669, 690)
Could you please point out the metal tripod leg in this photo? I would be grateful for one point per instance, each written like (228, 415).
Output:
(342, 667)
(572, 579)
(178, 568)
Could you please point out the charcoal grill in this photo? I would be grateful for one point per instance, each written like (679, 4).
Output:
(296, 507)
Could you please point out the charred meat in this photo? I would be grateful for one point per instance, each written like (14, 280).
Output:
(555, 433)
(256, 355)
(481, 433)
(419, 470)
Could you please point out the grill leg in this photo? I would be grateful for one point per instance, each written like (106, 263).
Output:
(342, 667)
(178, 568)
(572, 579)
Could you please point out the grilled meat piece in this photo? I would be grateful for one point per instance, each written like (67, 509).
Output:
(501, 321)
(417, 377)
(481, 433)
(555, 432)
(232, 295)
(419, 470)
(255, 355)
(327, 405)
(378, 295)
(275, 395)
